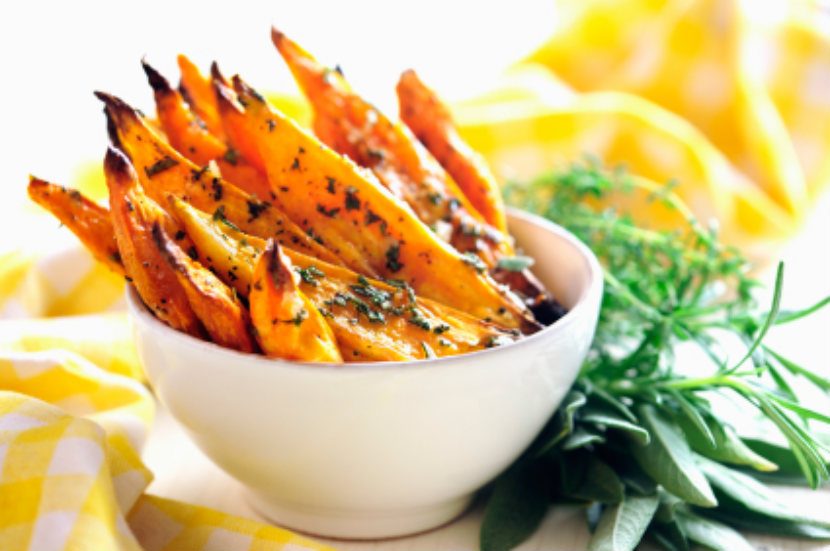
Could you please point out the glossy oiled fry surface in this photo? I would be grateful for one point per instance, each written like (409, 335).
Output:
(133, 217)
(353, 127)
(217, 307)
(365, 226)
(89, 221)
(354, 305)
(287, 323)
(164, 171)
(430, 120)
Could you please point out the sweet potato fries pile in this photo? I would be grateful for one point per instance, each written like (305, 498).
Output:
(361, 242)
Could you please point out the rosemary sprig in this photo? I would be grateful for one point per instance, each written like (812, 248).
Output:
(636, 440)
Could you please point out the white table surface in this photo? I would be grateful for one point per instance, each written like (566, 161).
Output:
(184, 473)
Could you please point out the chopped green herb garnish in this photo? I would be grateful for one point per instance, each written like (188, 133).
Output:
(160, 166)
(231, 156)
(472, 259)
(219, 214)
(352, 202)
(514, 263)
(330, 213)
(393, 258)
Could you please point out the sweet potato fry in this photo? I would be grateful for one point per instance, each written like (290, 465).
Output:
(287, 324)
(133, 217)
(217, 307)
(412, 328)
(88, 220)
(199, 94)
(364, 225)
(188, 135)
(353, 127)
(233, 122)
(430, 120)
(163, 170)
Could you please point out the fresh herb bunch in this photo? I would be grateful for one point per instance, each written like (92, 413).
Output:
(637, 441)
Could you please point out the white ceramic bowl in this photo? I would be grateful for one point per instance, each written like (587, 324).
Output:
(384, 449)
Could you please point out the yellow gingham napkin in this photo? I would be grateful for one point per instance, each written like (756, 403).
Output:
(735, 110)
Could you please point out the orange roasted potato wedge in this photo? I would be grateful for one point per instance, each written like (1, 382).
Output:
(88, 220)
(372, 320)
(189, 136)
(133, 216)
(163, 170)
(197, 90)
(355, 128)
(287, 323)
(364, 225)
(430, 120)
(214, 303)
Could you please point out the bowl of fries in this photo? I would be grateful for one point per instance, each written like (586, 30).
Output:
(371, 450)
(341, 316)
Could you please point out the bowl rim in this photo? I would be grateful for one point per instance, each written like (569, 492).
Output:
(139, 313)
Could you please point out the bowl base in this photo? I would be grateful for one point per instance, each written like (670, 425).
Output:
(358, 524)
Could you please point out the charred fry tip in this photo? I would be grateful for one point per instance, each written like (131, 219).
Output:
(244, 89)
(277, 36)
(156, 79)
(216, 74)
(112, 130)
(275, 263)
(117, 164)
(225, 96)
(117, 107)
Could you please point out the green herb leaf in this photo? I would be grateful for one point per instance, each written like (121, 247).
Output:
(598, 482)
(515, 509)
(745, 520)
(739, 491)
(669, 461)
(770, 319)
(712, 534)
(514, 263)
(669, 535)
(621, 527)
(728, 447)
(608, 419)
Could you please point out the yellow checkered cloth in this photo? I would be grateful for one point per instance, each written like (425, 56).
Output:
(70, 473)
(732, 105)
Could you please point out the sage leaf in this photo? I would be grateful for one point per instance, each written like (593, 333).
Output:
(599, 394)
(611, 420)
(746, 520)
(712, 534)
(669, 535)
(669, 461)
(693, 420)
(580, 438)
(563, 421)
(621, 527)
(728, 447)
(515, 509)
(599, 483)
(667, 507)
(740, 491)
